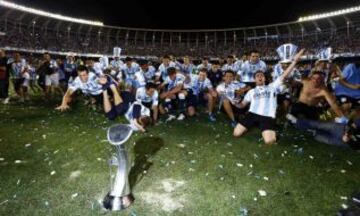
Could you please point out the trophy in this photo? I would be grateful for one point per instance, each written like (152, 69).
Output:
(120, 196)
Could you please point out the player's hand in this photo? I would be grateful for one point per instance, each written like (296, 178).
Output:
(299, 54)
(62, 107)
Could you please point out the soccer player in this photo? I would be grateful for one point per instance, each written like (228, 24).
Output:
(204, 64)
(263, 104)
(230, 64)
(331, 133)
(173, 94)
(162, 72)
(286, 53)
(231, 93)
(145, 75)
(87, 82)
(149, 97)
(18, 72)
(201, 92)
(129, 70)
(215, 75)
(347, 90)
(249, 68)
(312, 93)
(187, 68)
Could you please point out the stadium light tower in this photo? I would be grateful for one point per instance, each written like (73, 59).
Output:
(47, 14)
(329, 14)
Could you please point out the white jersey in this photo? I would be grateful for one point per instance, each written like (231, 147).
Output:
(186, 69)
(227, 91)
(136, 111)
(200, 66)
(162, 71)
(179, 80)
(129, 72)
(263, 99)
(18, 69)
(116, 65)
(91, 87)
(142, 97)
(278, 71)
(248, 70)
(144, 77)
(198, 86)
(233, 67)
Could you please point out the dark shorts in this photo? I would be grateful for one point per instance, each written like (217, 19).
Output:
(18, 83)
(122, 108)
(262, 122)
(283, 97)
(196, 100)
(236, 110)
(342, 99)
(301, 110)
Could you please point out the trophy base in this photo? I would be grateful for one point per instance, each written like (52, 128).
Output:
(114, 203)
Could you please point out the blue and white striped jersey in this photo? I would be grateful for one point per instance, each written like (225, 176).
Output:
(228, 91)
(179, 80)
(129, 72)
(142, 97)
(263, 99)
(144, 77)
(135, 111)
(248, 70)
(91, 86)
(116, 64)
(198, 86)
(234, 67)
(162, 71)
(208, 66)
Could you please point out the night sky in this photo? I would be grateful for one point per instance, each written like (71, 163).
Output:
(187, 14)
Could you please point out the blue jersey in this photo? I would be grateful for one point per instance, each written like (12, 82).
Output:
(179, 80)
(129, 72)
(198, 86)
(351, 73)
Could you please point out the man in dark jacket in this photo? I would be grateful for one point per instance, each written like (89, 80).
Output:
(4, 77)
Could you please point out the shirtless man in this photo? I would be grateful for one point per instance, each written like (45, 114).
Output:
(312, 93)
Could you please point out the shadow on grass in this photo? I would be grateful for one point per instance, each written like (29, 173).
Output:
(145, 149)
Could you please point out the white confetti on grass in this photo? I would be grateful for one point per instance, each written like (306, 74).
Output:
(343, 198)
(2, 159)
(181, 145)
(74, 174)
(17, 161)
(44, 136)
(262, 192)
(343, 171)
(74, 195)
(53, 172)
(170, 185)
(239, 165)
(349, 162)
(3, 202)
(311, 157)
(344, 206)
(27, 145)
(266, 178)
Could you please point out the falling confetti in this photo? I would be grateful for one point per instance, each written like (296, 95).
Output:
(262, 192)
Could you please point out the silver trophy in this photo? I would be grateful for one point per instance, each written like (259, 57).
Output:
(120, 196)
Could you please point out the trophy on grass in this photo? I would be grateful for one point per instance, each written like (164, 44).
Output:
(120, 196)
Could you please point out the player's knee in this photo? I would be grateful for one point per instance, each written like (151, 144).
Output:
(270, 140)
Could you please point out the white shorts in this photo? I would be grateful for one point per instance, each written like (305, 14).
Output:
(52, 80)
(26, 77)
